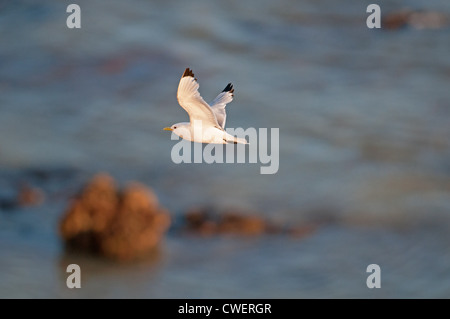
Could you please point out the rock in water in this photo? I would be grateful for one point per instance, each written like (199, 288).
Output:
(207, 222)
(90, 213)
(138, 225)
(416, 19)
(122, 225)
(30, 196)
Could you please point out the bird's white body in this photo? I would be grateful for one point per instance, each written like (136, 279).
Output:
(207, 122)
(198, 133)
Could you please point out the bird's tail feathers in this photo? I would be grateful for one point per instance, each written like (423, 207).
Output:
(237, 140)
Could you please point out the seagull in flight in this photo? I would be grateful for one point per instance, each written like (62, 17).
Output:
(207, 121)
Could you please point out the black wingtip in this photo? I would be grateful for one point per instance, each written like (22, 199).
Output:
(188, 72)
(228, 88)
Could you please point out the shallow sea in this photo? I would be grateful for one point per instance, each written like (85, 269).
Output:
(364, 119)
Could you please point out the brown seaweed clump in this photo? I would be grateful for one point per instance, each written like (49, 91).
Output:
(119, 224)
(416, 19)
(206, 222)
(26, 196)
(30, 196)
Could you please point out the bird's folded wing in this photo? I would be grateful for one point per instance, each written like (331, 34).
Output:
(190, 100)
(219, 103)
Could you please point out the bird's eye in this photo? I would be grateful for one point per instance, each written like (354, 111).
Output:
(174, 127)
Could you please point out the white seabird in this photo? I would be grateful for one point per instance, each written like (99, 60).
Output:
(207, 121)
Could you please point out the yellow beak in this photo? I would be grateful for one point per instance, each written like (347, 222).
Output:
(167, 129)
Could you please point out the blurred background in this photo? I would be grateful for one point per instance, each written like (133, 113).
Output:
(364, 118)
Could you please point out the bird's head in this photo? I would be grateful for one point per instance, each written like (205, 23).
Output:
(172, 128)
(180, 129)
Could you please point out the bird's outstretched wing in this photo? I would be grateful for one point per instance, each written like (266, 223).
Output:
(190, 100)
(219, 103)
